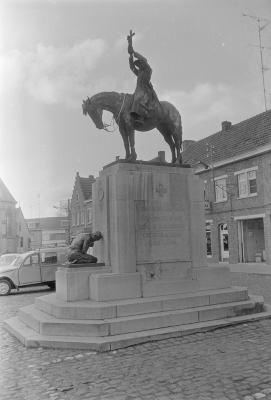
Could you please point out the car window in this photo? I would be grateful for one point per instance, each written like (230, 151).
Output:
(48, 258)
(35, 259)
(18, 261)
(27, 261)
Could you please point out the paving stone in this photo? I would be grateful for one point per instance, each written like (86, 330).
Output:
(229, 364)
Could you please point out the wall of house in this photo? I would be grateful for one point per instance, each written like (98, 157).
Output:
(80, 209)
(23, 235)
(54, 238)
(8, 228)
(234, 207)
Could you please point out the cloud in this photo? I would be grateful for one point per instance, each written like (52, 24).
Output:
(50, 74)
(207, 105)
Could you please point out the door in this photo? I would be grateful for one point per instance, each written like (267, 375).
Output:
(224, 242)
(254, 239)
(29, 271)
(49, 264)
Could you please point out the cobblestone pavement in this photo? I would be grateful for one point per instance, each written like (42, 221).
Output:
(230, 363)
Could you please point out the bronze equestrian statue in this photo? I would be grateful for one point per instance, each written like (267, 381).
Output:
(141, 111)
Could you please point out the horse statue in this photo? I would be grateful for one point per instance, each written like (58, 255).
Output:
(165, 118)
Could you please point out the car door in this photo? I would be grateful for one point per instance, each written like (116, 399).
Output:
(49, 264)
(29, 271)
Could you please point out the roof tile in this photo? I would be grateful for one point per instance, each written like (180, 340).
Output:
(240, 138)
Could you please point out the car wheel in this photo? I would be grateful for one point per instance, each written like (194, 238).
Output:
(5, 287)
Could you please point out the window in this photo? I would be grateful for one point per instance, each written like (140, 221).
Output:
(78, 218)
(89, 215)
(220, 190)
(4, 228)
(247, 184)
(27, 261)
(57, 236)
(64, 223)
(9, 226)
(208, 239)
(82, 218)
(33, 225)
(48, 258)
(21, 241)
(73, 219)
(35, 259)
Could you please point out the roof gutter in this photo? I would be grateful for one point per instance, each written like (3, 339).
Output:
(254, 153)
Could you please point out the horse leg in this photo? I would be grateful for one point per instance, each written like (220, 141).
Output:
(131, 138)
(178, 148)
(177, 136)
(168, 138)
(125, 142)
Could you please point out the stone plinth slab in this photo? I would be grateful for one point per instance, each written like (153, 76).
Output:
(212, 277)
(48, 325)
(72, 283)
(83, 309)
(151, 217)
(104, 287)
(89, 309)
(33, 339)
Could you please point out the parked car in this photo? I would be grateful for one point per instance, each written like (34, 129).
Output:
(6, 259)
(32, 269)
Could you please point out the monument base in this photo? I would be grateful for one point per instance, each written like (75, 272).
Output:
(108, 325)
(156, 283)
(106, 311)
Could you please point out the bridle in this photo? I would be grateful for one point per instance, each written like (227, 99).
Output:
(112, 122)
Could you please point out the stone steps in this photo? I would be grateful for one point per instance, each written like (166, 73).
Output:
(31, 338)
(49, 325)
(105, 325)
(88, 309)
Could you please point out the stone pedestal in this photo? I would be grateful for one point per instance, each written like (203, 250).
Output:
(152, 219)
(72, 282)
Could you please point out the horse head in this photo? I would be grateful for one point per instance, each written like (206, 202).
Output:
(94, 111)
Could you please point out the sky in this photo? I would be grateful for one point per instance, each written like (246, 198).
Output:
(55, 53)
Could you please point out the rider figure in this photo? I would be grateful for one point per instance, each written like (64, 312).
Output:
(145, 100)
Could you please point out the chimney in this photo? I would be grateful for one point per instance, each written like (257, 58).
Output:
(162, 156)
(187, 143)
(91, 177)
(226, 126)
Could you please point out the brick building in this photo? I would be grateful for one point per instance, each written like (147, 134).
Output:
(48, 232)
(23, 234)
(14, 234)
(235, 167)
(81, 205)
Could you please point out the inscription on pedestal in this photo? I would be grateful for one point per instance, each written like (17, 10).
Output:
(161, 232)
